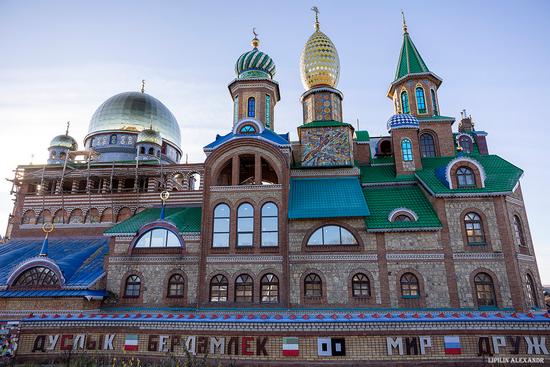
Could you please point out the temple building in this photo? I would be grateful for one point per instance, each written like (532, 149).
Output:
(410, 247)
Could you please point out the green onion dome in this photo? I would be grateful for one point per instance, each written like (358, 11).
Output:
(255, 64)
(64, 141)
(149, 136)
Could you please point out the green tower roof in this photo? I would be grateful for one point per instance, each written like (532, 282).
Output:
(410, 61)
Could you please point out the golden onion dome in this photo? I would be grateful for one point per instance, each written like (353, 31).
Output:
(319, 62)
(64, 141)
(149, 136)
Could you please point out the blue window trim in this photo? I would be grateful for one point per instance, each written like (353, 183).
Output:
(251, 107)
(406, 150)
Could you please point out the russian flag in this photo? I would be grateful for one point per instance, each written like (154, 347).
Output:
(131, 342)
(291, 347)
(452, 345)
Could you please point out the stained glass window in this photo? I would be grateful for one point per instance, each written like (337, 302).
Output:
(247, 129)
(406, 149)
(251, 107)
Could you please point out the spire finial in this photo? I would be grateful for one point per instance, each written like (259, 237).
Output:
(142, 85)
(67, 130)
(46, 228)
(163, 197)
(404, 22)
(255, 40)
(316, 11)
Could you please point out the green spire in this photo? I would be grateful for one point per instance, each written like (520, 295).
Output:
(410, 61)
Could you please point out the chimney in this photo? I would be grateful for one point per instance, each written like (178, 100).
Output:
(466, 125)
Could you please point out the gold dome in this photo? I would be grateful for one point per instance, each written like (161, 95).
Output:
(319, 62)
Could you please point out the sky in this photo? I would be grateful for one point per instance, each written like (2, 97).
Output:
(59, 60)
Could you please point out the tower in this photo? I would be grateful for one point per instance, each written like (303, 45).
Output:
(60, 146)
(254, 92)
(326, 140)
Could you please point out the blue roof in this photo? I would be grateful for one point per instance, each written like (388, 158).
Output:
(402, 121)
(80, 260)
(53, 293)
(266, 134)
(326, 198)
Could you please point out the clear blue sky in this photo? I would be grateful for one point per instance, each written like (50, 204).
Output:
(59, 60)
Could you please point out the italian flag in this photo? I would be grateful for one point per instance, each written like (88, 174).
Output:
(290, 347)
(131, 342)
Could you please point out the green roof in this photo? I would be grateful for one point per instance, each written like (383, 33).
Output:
(362, 135)
(323, 123)
(186, 219)
(382, 174)
(383, 160)
(326, 198)
(501, 176)
(383, 200)
(410, 61)
(429, 118)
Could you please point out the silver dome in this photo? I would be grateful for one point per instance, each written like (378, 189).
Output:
(135, 111)
(64, 141)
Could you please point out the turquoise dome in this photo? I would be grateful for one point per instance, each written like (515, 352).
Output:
(255, 64)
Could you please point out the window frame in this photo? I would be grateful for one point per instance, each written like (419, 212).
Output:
(273, 282)
(134, 284)
(531, 289)
(482, 301)
(409, 286)
(407, 150)
(37, 277)
(471, 219)
(420, 100)
(323, 243)
(262, 230)
(465, 178)
(405, 107)
(181, 283)
(519, 234)
(427, 149)
(355, 281)
(244, 289)
(251, 107)
(435, 107)
(225, 233)
(221, 281)
(241, 233)
(312, 280)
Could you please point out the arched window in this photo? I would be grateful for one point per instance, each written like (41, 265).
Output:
(142, 150)
(270, 225)
(531, 291)
(465, 177)
(251, 107)
(402, 218)
(420, 100)
(405, 102)
(133, 287)
(245, 225)
(248, 129)
(37, 277)
(518, 231)
(76, 216)
(218, 288)
(385, 148)
(235, 109)
(28, 217)
(112, 140)
(406, 150)
(244, 288)
(44, 217)
(434, 103)
(158, 237)
(465, 143)
(360, 285)
(485, 290)
(474, 229)
(124, 213)
(194, 181)
(92, 216)
(151, 151)
(409, 286)
(269, 285)
(60, 216)
(427, 145)
(268, 111)
(220, 237)
(313, 286)
(176, 286)
(331, 235)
